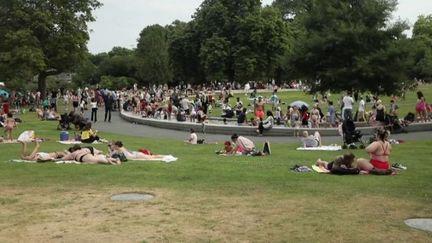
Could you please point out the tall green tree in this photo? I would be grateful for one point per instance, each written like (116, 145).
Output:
(152, 55)
(233, 40)
(43, 37)
(422, 48)
(349, 44)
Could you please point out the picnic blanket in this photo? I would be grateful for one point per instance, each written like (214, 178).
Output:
(321, 148)
(16, 141)
(57, 162)
(9, 141)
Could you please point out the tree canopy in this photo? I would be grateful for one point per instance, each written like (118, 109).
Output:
(350, 45)
(330, 45)
(421, 51)
(43, 37)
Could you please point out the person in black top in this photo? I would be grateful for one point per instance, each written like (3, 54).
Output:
(109, 101)
(241, 118)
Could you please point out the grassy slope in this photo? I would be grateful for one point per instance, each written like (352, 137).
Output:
(405, 106)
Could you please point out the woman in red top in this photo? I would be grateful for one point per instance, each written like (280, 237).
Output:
(379, 152)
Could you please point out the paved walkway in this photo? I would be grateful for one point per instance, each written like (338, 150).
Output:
(119, 126)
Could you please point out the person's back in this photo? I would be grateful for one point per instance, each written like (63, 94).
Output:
(268, 122)
(193, 139)
(241, 119)
(309, 142)
(347, 102)
(246, 144)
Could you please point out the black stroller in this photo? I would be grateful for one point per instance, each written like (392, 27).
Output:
(352, 138)
(64, 123)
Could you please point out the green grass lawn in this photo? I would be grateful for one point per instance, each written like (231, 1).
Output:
(205, 197)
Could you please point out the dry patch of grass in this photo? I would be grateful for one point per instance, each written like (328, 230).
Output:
(88, 215)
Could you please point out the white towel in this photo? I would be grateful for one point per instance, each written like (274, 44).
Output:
(321, 148)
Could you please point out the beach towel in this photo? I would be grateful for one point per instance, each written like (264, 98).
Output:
(166, 159)
(57, 162)
(69, 142)
(16, 141)
(73, 142)
(321, 148)
(9, 141)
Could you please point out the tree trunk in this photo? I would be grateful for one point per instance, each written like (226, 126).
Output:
(42, 84)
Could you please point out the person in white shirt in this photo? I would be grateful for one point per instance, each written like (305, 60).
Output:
(242, 145)
(348, 102)
(361, 110)
(94, 109)
(246, 88)
(185, 105)
(193, 138)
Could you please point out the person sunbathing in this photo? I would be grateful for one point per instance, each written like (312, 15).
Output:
(37, 156)
(89, 155)
(379, 152)
(311, 141)
(342, 165)
(117, 147)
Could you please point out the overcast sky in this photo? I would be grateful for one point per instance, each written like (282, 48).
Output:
(119, 22)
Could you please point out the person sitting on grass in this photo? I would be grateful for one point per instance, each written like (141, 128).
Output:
(89, 155)
(37, 156)
(193, 138)
(117, 147)
(379, 152)
(311, 141)
(88, 135)
(342, 165)
(242, 145)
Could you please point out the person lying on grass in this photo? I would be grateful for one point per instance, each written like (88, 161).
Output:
(89, 155)
(342, 165)
(117, 147)
(228, 149)
(37, 156)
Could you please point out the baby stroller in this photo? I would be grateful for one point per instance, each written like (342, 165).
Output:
(64, 122)
(352, 138)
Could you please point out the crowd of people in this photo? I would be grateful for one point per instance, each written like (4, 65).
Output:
(195, 104)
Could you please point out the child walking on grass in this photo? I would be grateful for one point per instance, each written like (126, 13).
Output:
(9, 124)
